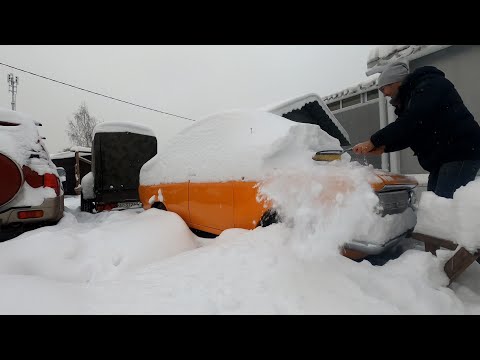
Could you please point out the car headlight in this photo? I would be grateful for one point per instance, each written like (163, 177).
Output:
(412, 199)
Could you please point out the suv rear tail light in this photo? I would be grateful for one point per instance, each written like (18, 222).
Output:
(32, 214)
(51, 181)
(32, 178)
(36, 181)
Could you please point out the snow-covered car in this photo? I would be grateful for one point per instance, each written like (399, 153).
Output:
(31, 193)
(119, 151)
(210, 172)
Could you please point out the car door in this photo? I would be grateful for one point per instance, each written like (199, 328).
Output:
(211, 205)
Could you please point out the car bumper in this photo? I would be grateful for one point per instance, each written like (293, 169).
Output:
(374, 249)
(52, 211)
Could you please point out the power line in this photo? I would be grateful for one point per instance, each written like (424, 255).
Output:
(96, 93)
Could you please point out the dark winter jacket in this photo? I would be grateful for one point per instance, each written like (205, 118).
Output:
(432, 121)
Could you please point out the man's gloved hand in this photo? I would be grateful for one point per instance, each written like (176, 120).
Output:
(367, 147)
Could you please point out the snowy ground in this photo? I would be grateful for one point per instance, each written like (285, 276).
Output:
(149, 262)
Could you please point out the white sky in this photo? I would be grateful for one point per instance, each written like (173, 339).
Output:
(189, 80)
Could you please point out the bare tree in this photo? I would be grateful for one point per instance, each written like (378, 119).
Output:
(80, 129)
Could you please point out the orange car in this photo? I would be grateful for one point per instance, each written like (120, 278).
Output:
(183, 180)
(214, 207)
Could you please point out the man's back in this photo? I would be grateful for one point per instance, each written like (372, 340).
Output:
(447, 131)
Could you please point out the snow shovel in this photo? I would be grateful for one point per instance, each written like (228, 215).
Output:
(330, 155)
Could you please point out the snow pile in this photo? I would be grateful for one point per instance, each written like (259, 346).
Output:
(435, 216)
(454, 219)
(122, 127)
(466, 203)
(148, 262)
(86, 249)
(29, 196)
(88, 186)
(256, 272)
(236, 145)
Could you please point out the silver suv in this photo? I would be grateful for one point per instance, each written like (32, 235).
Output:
(31, 193)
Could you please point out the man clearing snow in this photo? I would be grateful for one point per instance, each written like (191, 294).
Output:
(434, 122)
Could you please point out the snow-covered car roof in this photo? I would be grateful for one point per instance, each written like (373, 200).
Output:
(236, 145)
(310, 108)
(107, 127)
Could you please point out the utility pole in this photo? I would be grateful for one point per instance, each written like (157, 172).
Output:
(12, 87)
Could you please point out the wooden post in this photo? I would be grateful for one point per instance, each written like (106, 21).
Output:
(434, 242)
(459, 262)
(77, 169)
(432, 248)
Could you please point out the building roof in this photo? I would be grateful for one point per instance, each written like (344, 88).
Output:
(380, 56)
(357, 89)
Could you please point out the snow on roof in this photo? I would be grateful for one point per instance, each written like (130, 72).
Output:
(236, 145)
(386, 54)
(67, 154)
(368, 85)
(299, 102)
(82, 150)
(380, 56)
(123, 127)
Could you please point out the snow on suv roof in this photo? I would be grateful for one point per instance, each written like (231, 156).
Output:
(20, 140)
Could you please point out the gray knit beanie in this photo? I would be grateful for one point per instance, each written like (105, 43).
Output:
(392, 73)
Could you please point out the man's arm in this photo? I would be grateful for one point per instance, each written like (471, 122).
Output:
(425, 102)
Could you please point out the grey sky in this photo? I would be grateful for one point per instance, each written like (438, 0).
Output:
(191, 81)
